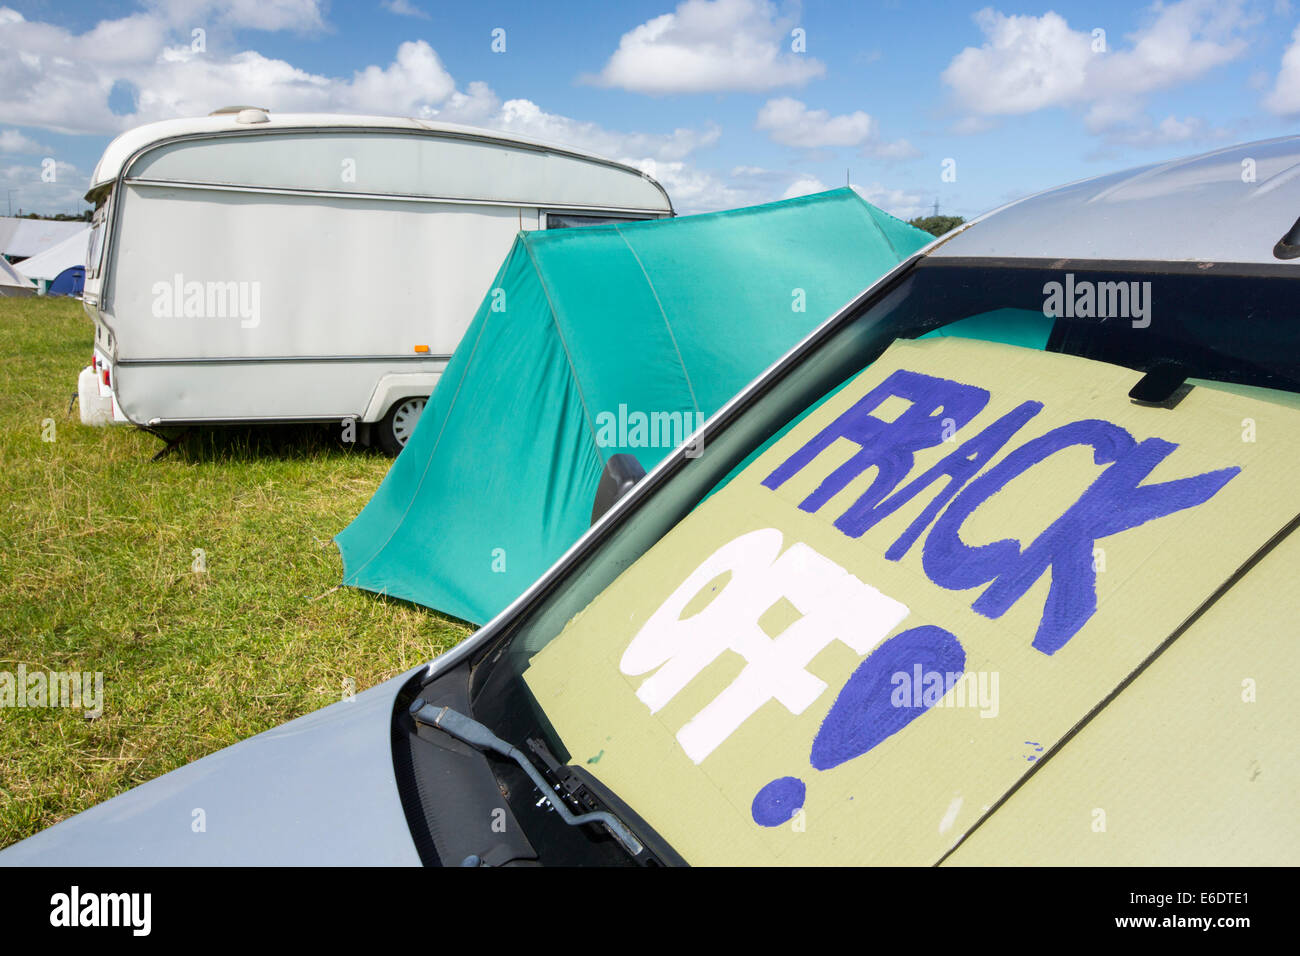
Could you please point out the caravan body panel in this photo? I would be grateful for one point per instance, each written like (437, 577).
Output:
(296, 269)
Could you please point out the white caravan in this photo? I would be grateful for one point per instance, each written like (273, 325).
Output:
(246, 267)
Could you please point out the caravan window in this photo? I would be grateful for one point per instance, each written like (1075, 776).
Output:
(562, 220)
(95, 244)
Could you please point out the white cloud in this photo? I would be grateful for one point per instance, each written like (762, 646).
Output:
(14, 143)
(899, 149)
(61, 81)
(298, 15)
(743, 186)
(1029, 63)
(1026, 63)
(1143, 132)
(70, 94)
(709, 46)
(413, 80)
(803, 186)
(746, 186)
(23, 186)
(768, 182)
(970, 125)
(901, 203)
(790, 122)
(663, 156)
(476, 106)
(1182, 42)
(1173, 130)
(695, 190)
(404, 8)
(1284, 98)
(528, 119)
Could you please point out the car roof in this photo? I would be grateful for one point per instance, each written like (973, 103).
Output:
(124, 147)
(1228, 205)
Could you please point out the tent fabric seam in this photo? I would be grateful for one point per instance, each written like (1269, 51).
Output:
(884, 235)
(555, 321)
(681, 360)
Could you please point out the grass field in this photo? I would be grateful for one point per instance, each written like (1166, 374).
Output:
(97, 557)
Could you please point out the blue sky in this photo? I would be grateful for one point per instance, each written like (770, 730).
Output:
(714, 95)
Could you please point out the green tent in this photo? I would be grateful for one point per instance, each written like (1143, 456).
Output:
(595, 341)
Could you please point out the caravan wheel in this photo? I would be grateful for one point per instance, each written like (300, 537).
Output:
(399, 424)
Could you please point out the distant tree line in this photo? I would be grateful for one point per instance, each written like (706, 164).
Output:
(83, 216)
(936, 225)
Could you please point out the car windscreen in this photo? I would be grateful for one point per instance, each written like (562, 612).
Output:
(1221, 327)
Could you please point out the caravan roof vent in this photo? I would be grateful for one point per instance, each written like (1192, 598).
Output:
(244, 114)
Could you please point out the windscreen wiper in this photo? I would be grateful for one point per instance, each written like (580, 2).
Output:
(470, 731)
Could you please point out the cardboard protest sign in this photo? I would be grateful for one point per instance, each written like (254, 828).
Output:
(1193, 765)
(856, 647)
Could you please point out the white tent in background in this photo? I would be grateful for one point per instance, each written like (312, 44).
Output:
(65, 254)
(22, 238)
(12, 284)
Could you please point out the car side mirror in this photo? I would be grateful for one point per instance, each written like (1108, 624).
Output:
(621, 472)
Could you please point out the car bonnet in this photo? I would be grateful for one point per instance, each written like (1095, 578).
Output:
(319, 790)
